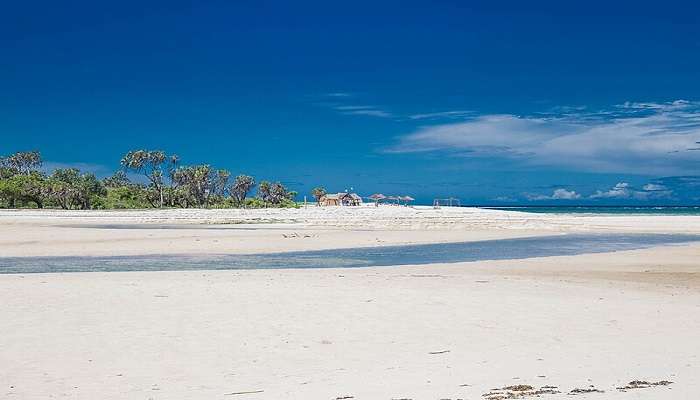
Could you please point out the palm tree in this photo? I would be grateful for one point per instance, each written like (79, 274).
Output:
(318, 192)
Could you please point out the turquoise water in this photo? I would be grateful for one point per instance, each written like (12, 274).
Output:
(620, 210)
(560, 245)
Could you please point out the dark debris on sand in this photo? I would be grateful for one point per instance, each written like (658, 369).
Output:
(642, 385)
(519, 392)
(590, 389)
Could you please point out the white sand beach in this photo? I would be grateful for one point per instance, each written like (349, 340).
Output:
(440, 331)
(66, 233)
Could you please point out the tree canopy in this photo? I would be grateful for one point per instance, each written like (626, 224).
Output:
(151, 164)
(22, 163)
(147, 178)
(318, 192)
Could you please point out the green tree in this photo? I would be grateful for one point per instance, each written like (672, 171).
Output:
(21, 162)
(242, 185)
(275, 194)
(192, 184)
(279, 193)
(23, 188)
(71, 189)
(122, 193)
(264, 192)
(119, 179)
(219, 182)
(131, 196)
(318, 192)
(198, 184)
(151, 164)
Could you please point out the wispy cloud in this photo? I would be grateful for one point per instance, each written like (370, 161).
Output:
(342, 102)
(640, 138)
(366, 110)
(338, 94)
(353, 108)
(442, 115)
(370, 113)
(674, 105)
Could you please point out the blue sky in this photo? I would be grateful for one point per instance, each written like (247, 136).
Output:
(492, 102)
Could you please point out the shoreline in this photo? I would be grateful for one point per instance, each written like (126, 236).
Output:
(72, 233)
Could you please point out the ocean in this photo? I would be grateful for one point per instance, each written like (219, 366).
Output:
(619, 210)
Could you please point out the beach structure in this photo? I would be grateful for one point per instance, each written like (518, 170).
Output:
(406, 199)
(376, 198)
(449, 202)
(392, 200)
(340, 199)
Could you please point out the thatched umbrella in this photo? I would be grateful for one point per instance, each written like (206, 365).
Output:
(407, 199)
(394, 198)
(377, 197)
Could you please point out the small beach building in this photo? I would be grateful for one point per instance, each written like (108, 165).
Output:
(341, 199)
(329, 199)
(353, 199)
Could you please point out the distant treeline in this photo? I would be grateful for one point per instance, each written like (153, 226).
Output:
(167, 184)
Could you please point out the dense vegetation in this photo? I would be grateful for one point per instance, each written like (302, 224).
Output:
(164, 183)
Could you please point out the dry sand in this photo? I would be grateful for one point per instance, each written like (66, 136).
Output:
(57, 232)
(452, 331)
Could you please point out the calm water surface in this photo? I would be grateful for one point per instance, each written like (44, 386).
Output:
(505, 249)
(615, 210)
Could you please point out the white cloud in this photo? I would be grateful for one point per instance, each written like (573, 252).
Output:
(619, 191)
(639, 138)
(353, 108)
(674, 105)
(563, 194)
(623, 190)
(653, 187)
(442, 114)
(370, 112)
(340, 103)
(557, 194)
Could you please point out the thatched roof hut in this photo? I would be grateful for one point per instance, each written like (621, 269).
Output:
(340, 199)
(329, 199)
